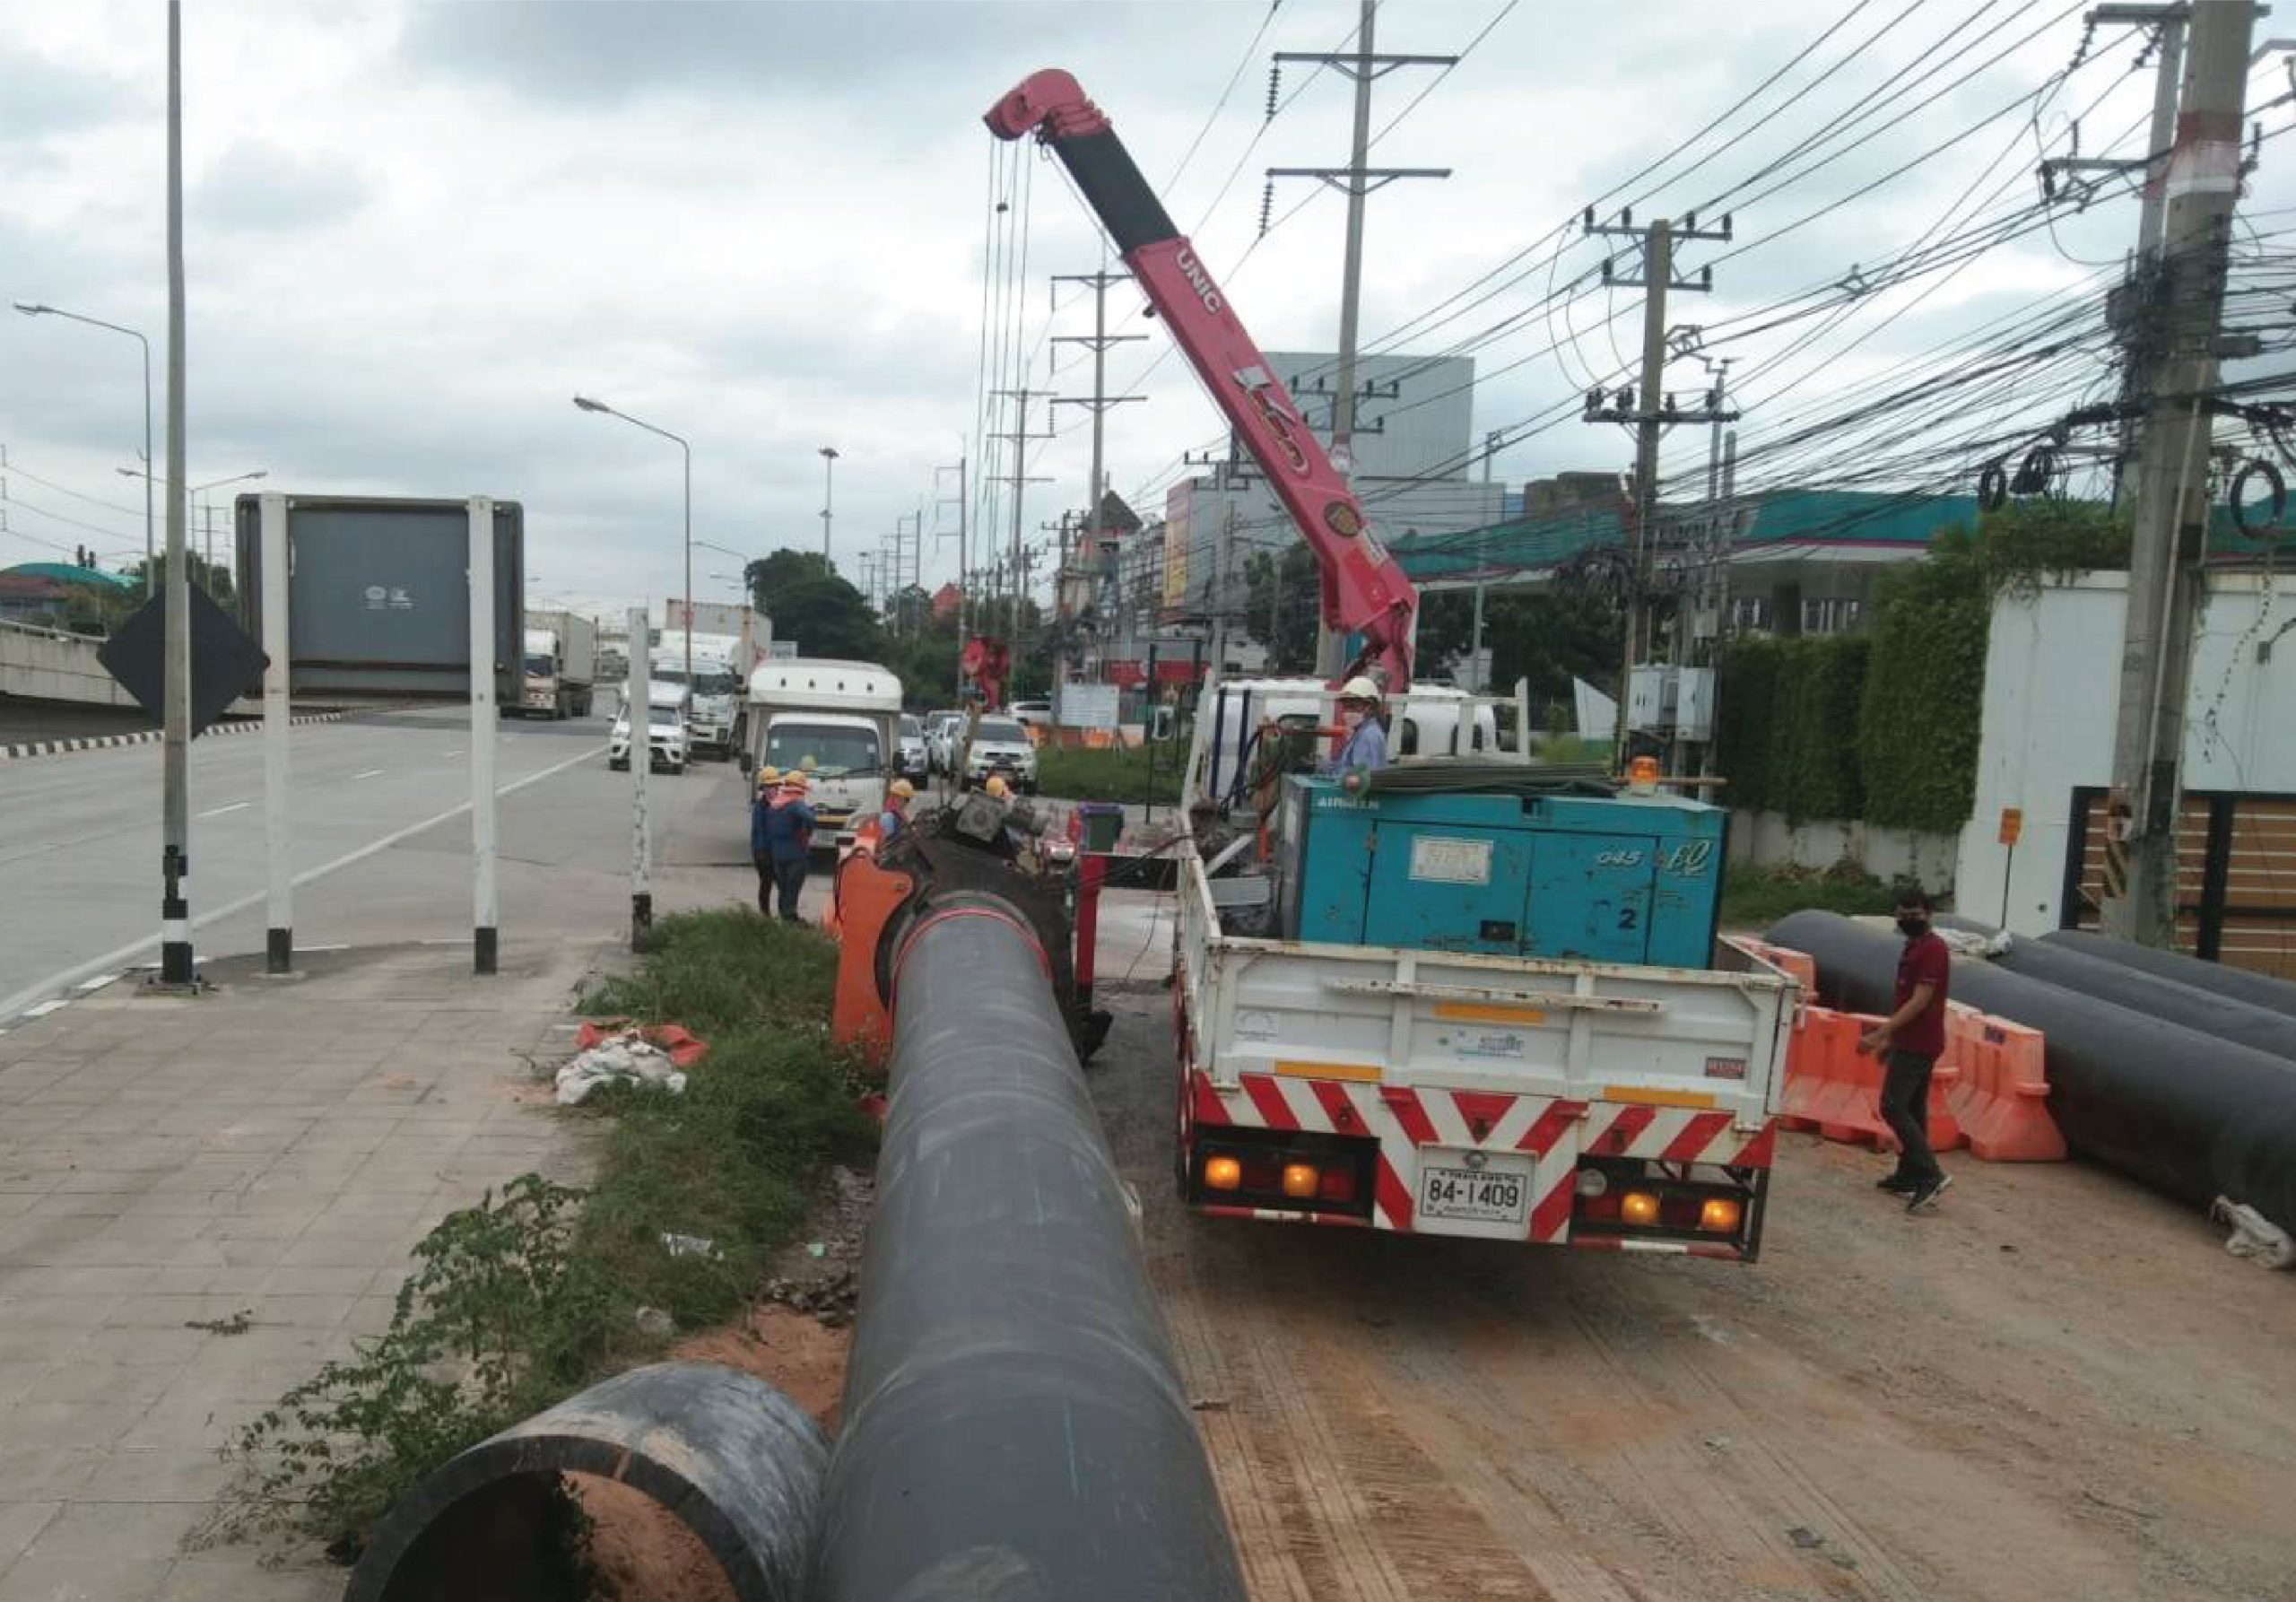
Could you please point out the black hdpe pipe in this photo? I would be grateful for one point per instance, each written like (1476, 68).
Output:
(736, 1461)
(1014, 1426)
(2140, 990)
(2235, 984)
(2185, 1112)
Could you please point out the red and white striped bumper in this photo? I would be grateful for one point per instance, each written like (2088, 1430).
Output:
(1555, 1132)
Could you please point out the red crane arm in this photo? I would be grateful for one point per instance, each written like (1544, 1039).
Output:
(1364, 590)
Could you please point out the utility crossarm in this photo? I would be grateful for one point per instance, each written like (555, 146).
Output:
(1364, 590)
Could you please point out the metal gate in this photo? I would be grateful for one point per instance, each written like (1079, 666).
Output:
(2236, 875)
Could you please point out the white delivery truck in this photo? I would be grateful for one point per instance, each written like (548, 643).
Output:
(718, 678)
(561, 664)
(1464, 995)
(840, 721)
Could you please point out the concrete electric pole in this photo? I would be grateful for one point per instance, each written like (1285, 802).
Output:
(1357, 179)
(1651, 417)
(1018, 478)
(176, 966)
(2180, 303)
(1099, 339)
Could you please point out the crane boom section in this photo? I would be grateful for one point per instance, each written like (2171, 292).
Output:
(1364, 590)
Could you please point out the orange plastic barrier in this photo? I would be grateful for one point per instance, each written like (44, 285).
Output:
(1799, 963)
(683, 1047)
(1836, 1089)
(2000, 1095)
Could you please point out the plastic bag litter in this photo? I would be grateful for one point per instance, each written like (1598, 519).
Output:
(619, 1061)
(2254, 1236)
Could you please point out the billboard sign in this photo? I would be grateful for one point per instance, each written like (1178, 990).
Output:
(1179, 502)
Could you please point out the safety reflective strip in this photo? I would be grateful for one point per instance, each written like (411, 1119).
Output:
(1267, 1101)
(1391, 1200)
(1412, 1117)
(1552, 1217)
(1207, 1105)
(1339, 1109)
(1760, 1151)
(1657, 1098)
(1630, 1121)
(1696, 1135)
(1552, 1120)
(1483, 1112)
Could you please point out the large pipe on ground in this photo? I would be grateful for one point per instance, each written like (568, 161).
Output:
(2074, 969)
(2187, 1113)
(1014, 1427)
(738, 1462)
(2235, 984)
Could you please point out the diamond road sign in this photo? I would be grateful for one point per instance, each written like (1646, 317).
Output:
(225, 663)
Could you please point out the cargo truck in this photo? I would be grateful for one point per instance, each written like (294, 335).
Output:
(840, 722)
(719, 677)
(561, 664)
(1460, 995)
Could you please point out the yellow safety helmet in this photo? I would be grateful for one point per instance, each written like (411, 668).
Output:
(766, 776)
(798, 780)
(997, 787)
(903, 788)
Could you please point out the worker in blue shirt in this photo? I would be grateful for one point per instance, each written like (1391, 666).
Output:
(894, 818)
(1366, 746)
(781, 841)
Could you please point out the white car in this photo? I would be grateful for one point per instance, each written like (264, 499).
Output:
(1003, 745)
(1035, 714)
(666, 734)
(915, 764)
(944, 733)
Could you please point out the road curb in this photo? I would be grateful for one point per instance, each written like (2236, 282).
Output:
(31, 748)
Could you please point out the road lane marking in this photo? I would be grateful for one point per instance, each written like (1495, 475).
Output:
(219, 811)
(24, 1002)
(369, 773)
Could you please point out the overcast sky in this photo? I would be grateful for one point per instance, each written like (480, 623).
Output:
(414, 232)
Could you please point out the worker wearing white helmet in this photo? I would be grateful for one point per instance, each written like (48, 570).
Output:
(1365, 748)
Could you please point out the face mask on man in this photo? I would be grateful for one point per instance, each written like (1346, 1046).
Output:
(1912, 925)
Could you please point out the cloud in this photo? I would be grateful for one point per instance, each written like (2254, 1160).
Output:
(260, 187)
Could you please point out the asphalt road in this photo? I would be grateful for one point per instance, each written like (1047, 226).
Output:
(380, 835)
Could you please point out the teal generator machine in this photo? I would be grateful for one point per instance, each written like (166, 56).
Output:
(1519, 872)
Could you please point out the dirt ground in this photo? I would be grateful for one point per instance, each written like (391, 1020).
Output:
(2057, 1386)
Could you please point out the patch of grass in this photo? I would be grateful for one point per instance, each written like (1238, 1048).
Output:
(537, 1291)
(1758, 897)
(1571, 750)
(1073, 773)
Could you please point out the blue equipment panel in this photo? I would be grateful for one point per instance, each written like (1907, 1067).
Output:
(1632, 879)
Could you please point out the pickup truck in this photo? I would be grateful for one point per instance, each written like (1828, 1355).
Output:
(1522, 1034)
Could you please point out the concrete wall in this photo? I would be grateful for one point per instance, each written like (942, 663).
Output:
(1767, 840)
(40, 665)
(2051, 693)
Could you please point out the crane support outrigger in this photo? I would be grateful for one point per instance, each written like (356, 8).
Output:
(1364, 590)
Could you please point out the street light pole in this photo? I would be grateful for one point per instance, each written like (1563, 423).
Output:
(150, 567)
(193, 507)
(829, 463)
(589, 404)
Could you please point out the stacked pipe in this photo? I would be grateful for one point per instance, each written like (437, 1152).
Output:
(2191, 1113)
(1014, 1426)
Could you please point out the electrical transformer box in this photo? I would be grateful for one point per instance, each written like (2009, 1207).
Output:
(1632, 879)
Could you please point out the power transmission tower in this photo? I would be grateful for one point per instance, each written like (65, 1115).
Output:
(1655, 276)
(2182, 311)
(1099, 339)
(1018, 477)
(1357, 179)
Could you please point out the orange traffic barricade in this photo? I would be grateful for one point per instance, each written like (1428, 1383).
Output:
(1836, 1089)
(2000, 1095)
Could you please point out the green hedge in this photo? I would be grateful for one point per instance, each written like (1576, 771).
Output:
(1789, 725)
(1920, 722)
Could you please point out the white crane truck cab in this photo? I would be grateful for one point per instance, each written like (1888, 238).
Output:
(718, 685)
(839, 720)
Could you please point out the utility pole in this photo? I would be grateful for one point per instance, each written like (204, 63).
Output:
(1655, 414)
(1482, 562)
(175, 850)
(1223, 553)
(964, 572)
(1018, 478)
(1357, 179)
(1099, 339)
(2124, 309)
(2182, 318)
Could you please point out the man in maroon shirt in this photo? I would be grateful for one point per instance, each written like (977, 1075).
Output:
(1911, 1039)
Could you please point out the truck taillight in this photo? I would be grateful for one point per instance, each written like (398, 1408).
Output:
(1301, 1180)
(1224, 1173)
(1719, 1215)
(1337, 1185)
(1640, 1207)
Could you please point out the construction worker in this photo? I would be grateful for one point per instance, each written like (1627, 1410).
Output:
(768, 781)
(1366, 745)
(894, 818)
(782, 841)
(996, 789)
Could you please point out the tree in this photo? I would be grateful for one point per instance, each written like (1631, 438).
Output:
(809, 604)
(1286, 588)
(213, 577)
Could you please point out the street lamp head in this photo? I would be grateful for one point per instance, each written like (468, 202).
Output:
(33, 308)
(588, 405)
(829, 452)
